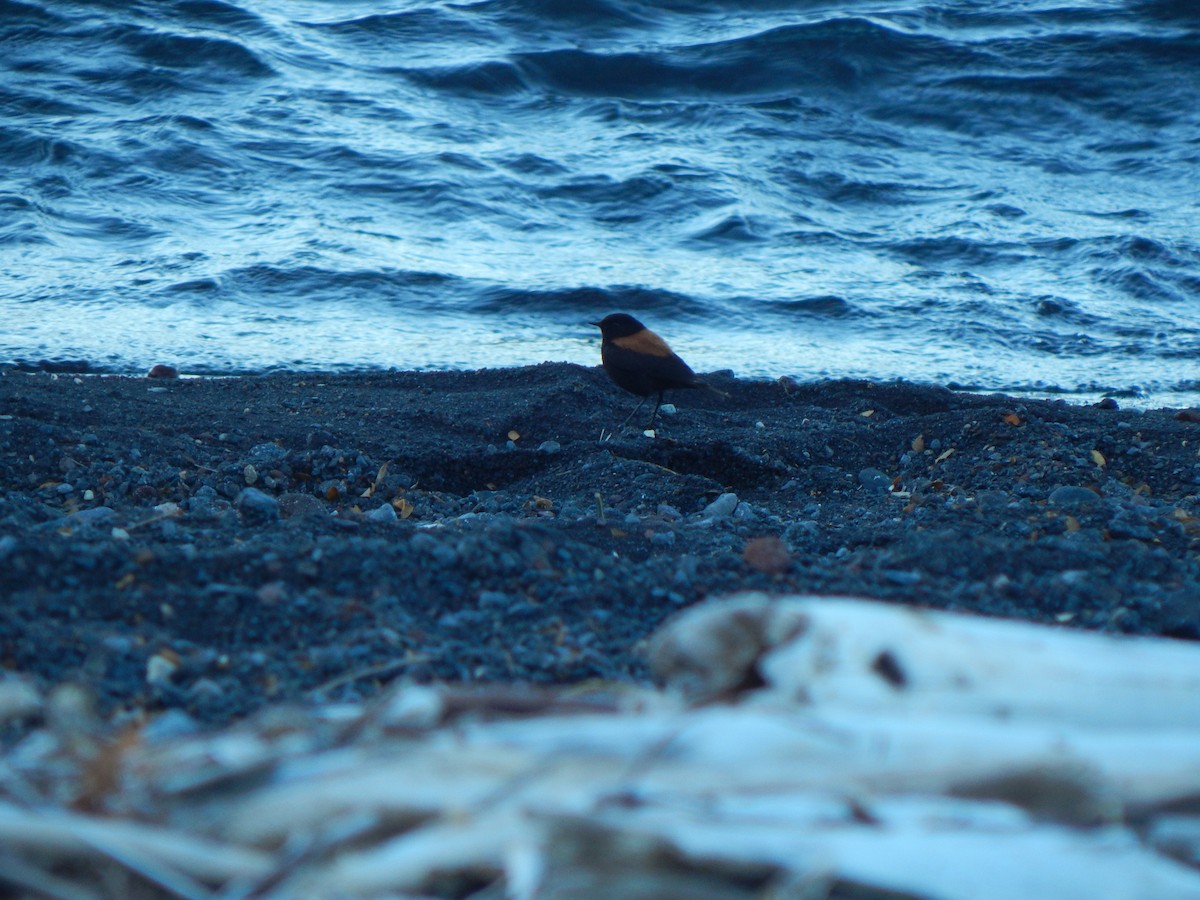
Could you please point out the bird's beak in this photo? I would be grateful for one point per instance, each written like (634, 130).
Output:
(597, 324)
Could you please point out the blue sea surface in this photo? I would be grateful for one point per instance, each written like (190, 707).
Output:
(1001, 195)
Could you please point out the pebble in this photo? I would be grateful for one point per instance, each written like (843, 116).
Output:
(205, 503)
(160, 668)
(384, 513)
(744, 512)
(875, 481)
(494, 599)
(19, 699)
(206, 689)
(768, 555)
(265, 454)
(163, 371)
(1070, 496)
(1072, 577)
(722, 507)
(802, 529)
(441, 552)
(172, 723)
(257, 507)
(1128, 525)
(97, 515)
(550, 447)
(295, 505)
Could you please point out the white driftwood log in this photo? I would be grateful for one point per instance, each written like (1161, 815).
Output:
(835, 652)
(800, 747)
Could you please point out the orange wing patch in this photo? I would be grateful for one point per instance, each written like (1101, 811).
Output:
(645, 341)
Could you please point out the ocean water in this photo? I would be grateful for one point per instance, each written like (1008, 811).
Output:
(996, 194)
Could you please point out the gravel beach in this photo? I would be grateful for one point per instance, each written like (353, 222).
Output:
(215, 545)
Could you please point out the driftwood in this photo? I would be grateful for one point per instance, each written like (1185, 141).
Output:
(800, 747)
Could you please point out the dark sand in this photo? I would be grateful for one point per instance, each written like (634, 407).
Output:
(128, 548)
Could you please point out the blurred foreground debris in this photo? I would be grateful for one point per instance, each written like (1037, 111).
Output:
(800, 747)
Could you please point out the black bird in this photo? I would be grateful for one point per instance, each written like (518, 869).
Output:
(639, 361)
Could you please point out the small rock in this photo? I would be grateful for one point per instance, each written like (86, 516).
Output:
(550, 447)
(768, 555)
(665, 538)
(161, 667)
(722, 507)
(97, 515)
(874, 481)
(205, 503)
(441, 552)
(803, 529)
(265, 455)
(206, 689)
(174, 723)
(1127, 525)
(413, 706)
(18, 699)
(494, 599)
(163, 371)
(294, 505)
(318, 439)
(1107, 403)
(744, 512)
(902, 576)
(1069, 496)
(384, 513)
(667, 409)
(257, 507)
(992, 500)
(273, 593)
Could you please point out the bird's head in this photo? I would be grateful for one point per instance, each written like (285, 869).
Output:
(618, 325)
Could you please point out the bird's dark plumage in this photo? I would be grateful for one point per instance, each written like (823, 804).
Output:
(639, 361)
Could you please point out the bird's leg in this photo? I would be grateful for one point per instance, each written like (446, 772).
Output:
(657, 404)
(634, 413)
